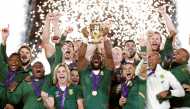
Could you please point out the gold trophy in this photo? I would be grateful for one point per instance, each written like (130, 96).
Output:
(95, 30)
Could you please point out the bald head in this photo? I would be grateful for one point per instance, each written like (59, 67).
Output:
(181, 55)
(153, 59)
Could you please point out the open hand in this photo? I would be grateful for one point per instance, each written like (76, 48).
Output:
(86, 32)
(162, 10)
(5, 33)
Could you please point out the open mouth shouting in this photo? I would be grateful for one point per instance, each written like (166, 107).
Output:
(55, 38)
(13, 67)
(38, 70)
(129, 76)
(155, 46)
(68, 52)
(61, 77)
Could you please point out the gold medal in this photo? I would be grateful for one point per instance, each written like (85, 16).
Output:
(94, 93)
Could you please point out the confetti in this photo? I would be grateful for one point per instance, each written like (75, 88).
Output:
(128, 18)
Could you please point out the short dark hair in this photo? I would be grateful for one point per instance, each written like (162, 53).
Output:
(38, 62)
(130, 41)
(14, 54)
(66, 42)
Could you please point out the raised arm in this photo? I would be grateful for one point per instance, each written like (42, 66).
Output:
(168, 46)
(86, 50)
(108, 54)
(51, 18)
(3, 66)
(49, 48)
(82, 62)
(3, 57)
(168, 22)
(59, 54)
(4, 33)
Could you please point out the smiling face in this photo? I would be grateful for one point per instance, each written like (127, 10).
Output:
(68, 49)
(75, 77)
(25, 55)
(155, 41)
(180, 56)
(96, 61)
(128, 71)
(14, 62)
(38, 70)
(61, 74)
(130, 49)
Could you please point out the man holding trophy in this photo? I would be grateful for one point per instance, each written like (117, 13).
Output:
(95, 77)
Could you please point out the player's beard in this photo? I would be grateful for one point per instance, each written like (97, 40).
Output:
(96, 67)
(25, 63)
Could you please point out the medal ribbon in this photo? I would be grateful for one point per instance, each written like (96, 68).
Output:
(37, 85)
(151, 72)
(124, 90)
(10, 78)
(95, 81)
(62, 96)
